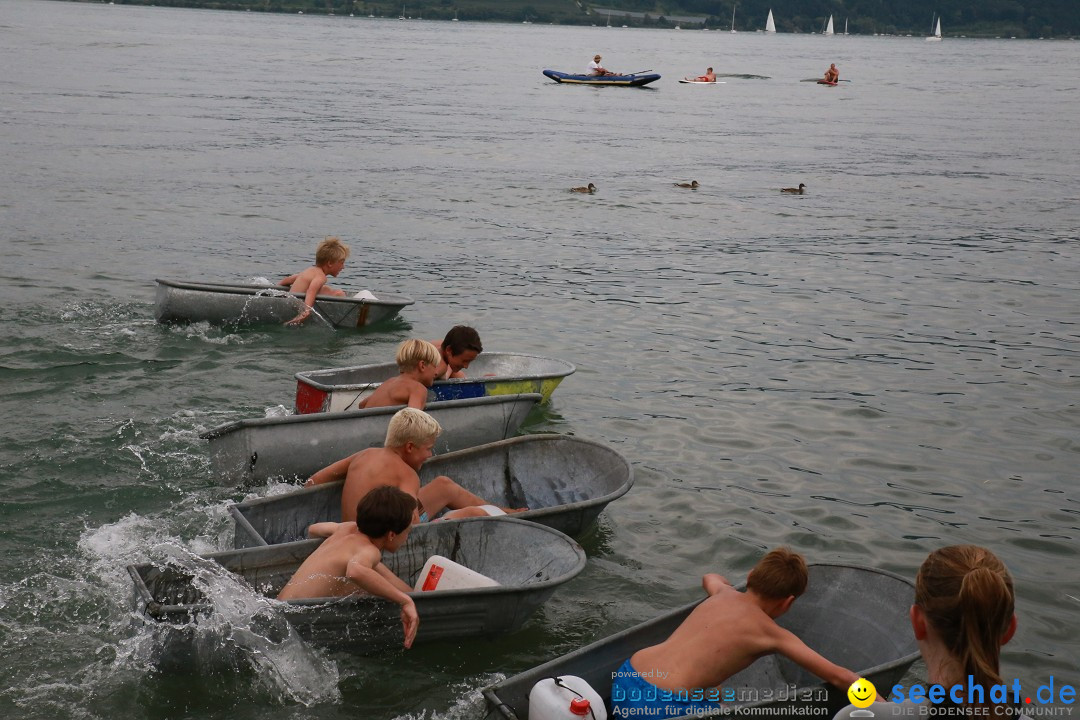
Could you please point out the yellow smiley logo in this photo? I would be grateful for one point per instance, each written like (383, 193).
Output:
(862, 693)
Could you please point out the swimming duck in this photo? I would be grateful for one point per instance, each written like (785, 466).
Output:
(798, 191)
(590, 189)
(692, 184)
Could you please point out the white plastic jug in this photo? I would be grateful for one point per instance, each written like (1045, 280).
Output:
(566, 697)
(441, 573)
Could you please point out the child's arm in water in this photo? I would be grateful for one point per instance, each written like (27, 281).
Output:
(366, 570)
(790, 646)
(313, 289)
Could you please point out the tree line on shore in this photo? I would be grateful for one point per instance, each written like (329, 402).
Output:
(971, 18)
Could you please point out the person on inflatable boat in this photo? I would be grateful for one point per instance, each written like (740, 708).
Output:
(596, 69)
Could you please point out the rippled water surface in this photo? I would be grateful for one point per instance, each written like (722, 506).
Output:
(884, 365)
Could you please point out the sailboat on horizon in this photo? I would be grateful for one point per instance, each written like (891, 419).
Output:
(733, 17)
(770, 26)
(936, 37)
(402, 12)
(828, 27)
(845, 26)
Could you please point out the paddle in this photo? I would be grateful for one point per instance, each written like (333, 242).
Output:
(638, 72)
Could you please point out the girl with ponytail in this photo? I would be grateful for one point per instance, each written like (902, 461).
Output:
(963, 614)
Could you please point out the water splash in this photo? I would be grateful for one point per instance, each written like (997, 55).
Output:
(470, 704)
(244, 631)
(78, 604)
(276, 411)
(278, 292)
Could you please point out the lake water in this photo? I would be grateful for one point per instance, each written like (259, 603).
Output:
(882, 366)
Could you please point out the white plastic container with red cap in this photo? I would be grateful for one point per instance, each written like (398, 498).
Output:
(442, 573)
(566, 697)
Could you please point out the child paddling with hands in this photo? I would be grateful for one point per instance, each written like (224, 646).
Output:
(727, 632)
(350, 559)
(410, 439)
(457, 351)
(330, 259)
(418, 366)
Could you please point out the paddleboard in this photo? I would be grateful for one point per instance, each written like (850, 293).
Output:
(703, 82)
(824, 82)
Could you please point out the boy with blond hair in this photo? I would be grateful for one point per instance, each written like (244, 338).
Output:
(409, 442)
(330, 259)
(350, 559)
(418, 363)
(720, 637)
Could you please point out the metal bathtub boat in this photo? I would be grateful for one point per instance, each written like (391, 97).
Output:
(529, 562)
(565, 481)
(856, 617)
(255, 450)
(491, 373)
(237, 304)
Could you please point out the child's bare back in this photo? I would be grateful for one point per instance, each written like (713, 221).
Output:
(325, 572)
(371, 468)
(313, 275)
(400, 390)
(330, 259)
(730, 629)
(417, 362)
(723, 635)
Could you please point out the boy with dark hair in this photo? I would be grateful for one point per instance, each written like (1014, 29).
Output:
(720, 637)
(350, 559)
(457, 350)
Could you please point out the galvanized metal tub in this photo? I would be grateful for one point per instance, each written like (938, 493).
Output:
(528, 561)
(238, 304)
(255, 450)
(564, 481)
(856, 617)
(491, 373)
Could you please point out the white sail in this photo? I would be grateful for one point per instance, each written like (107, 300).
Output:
(845, 26)
(733, 17)
(828, 28)
(770, 26)
(937, 32)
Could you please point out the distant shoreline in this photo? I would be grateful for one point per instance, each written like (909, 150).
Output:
(559, 12)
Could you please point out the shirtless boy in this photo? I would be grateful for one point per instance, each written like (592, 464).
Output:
(456, 351)
(330, 259)
(720, 637)
(350, 559)
(418, 362)
(409, 442)
(708, 77)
